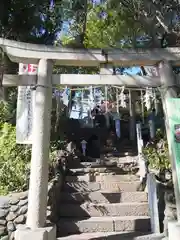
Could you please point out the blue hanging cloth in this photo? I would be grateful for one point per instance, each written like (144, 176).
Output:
(118, 127)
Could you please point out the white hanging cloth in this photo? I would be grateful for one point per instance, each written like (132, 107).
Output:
(106, 98)
(122, 98)
(65, 96)
(91, 98)
(91, 105)
(148, 100)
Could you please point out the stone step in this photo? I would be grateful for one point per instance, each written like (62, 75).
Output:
(106, 209)
(82, 186)
(107, 163)
(67, 226)
(103, 177)
(114, 236)
(117, 170)
(103, 197)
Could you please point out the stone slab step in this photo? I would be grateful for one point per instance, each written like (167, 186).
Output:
(103, 197)
(114, 236)
(102, 178)
(82, 186)
(103, 224)
(98, 210)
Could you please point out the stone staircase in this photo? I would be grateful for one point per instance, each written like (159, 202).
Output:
(101, 201)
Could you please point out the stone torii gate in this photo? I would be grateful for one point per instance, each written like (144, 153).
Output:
(46, 57)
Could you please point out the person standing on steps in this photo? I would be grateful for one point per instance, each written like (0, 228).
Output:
(99, 119)
(94, 113)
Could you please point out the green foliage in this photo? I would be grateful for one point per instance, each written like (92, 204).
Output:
(104, 27)
(157, 154)
(14, 161)
(8, 110)
(107, 27)
(5, 111)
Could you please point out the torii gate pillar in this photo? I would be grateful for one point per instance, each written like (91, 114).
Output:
(38, 189)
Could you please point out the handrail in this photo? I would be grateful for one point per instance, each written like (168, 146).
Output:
(153, 202)
(151, 183)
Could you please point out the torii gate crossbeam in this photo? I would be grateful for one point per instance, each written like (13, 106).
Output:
(32, 53)
(46, 57)
(84, 80)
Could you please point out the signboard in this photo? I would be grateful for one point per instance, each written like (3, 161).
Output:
(24, 114)
(28, 69)
(173, 114)
(25, 106)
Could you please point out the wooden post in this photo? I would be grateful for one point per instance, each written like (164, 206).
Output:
(169, 90)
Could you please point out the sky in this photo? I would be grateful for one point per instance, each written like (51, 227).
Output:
(132, 71)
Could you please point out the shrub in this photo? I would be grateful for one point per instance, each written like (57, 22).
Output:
(157, 153)
(14, 161)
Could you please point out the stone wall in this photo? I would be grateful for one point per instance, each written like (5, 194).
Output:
(13, 209)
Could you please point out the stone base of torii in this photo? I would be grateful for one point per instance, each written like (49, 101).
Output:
(46, 57)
